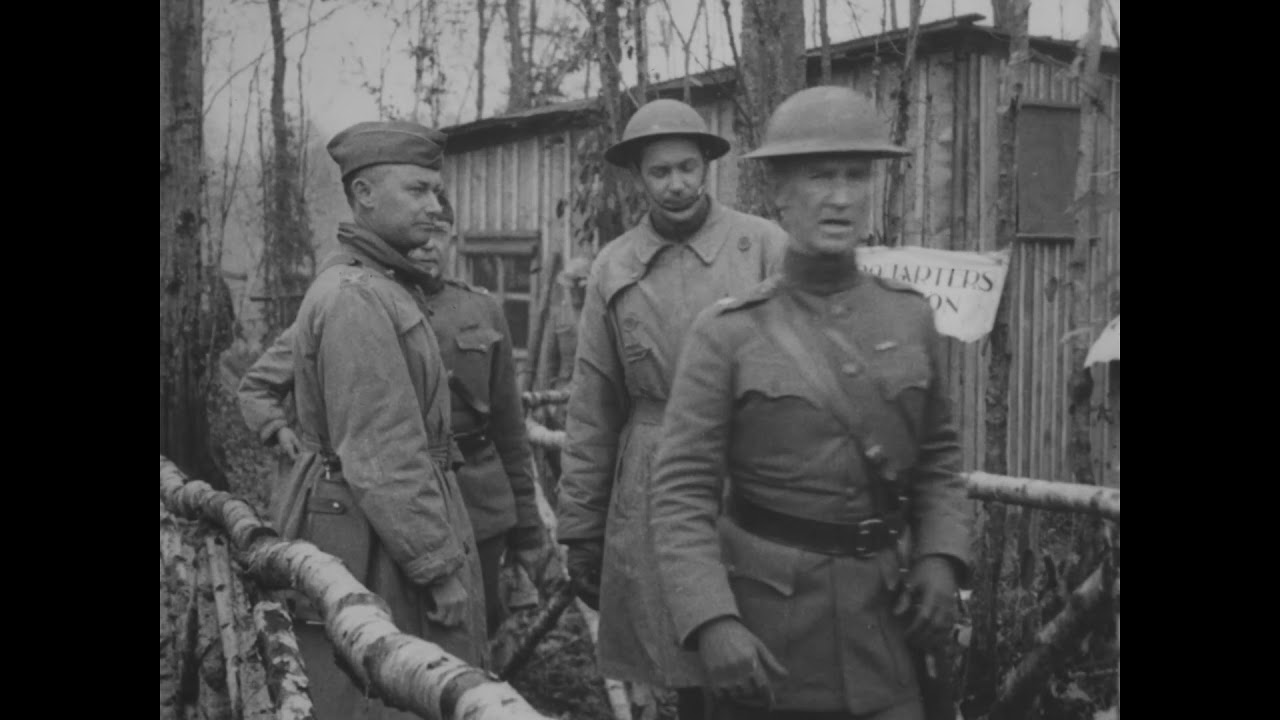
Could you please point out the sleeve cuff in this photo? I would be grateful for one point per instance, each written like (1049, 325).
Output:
(690, 627)
(429, 568)
(267, 434)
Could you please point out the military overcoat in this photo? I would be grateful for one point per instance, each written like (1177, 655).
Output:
(641, 297)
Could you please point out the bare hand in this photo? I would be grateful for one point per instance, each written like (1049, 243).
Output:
(289, 443)
(931, 590)
(736, 661)
(450, 597)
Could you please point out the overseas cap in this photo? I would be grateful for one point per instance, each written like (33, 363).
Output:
(386, 143)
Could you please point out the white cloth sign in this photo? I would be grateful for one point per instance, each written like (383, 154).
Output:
(962, 287)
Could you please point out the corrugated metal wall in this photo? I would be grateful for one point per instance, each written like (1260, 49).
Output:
(949, 199)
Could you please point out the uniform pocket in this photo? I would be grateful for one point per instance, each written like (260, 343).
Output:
(904, 377)
(762, 576)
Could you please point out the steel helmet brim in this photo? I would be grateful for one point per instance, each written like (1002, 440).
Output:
(622, 153)
(802, 147)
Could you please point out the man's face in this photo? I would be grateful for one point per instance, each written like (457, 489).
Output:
(431, 256)
(825, 202)
(673, 172)
(400, 204)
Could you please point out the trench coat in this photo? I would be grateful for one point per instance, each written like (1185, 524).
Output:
(642, 294)
(743, 412)
(475, 346)
(371, 391)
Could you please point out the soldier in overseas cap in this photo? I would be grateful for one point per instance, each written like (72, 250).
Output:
(374, 484)
(643, 292)
(487, 418)
(818, 398)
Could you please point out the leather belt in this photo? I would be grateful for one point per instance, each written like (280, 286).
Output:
(332, 464)
(471, 443)
(863, 539)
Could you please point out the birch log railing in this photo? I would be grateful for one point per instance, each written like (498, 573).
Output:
(404, 671)
(1053, 639)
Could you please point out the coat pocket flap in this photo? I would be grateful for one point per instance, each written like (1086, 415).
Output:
(479, 339)
(774, 380)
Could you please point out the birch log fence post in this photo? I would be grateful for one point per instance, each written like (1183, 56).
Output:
(406, 672)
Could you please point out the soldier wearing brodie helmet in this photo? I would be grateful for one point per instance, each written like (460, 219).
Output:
(644, 289)
(818, 398)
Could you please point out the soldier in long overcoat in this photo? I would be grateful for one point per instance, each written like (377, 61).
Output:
(644, 290)
(376, 481)
(487, 421)
(817, 401)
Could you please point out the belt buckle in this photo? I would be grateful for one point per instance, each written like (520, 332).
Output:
(867, 536)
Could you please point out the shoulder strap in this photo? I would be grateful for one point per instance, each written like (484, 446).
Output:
(778, 325)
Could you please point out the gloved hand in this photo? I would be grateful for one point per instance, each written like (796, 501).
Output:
(585, 559)
(531, 551)
(930, 593)
(738, 663)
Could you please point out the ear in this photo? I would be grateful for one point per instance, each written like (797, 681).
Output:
(362, 191)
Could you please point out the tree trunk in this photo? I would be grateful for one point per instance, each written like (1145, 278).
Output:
(826, 42)
(771, 69)
(983, 662)
(406, 671)
(1080, 386)
(193, 300)
(517, 65)
(1004, 14)
(895, 207)
(286, 255)
(611, 214)
(532, 36)
(482, 18)
(639, 28)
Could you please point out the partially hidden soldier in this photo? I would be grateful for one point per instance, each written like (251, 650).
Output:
(564, 322)
(487, 418)
(644, 290)
(374, 483)
(817, 401)
(564, 344)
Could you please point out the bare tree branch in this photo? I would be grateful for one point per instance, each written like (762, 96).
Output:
(254, 62)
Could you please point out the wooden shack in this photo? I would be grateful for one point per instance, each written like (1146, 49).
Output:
(512, 180)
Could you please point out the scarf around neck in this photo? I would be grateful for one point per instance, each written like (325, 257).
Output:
(363, 241)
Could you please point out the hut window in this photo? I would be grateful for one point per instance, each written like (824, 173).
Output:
(503, 265)
(1048, 139)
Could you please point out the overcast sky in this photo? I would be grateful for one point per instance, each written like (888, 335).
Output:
(351, 41)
